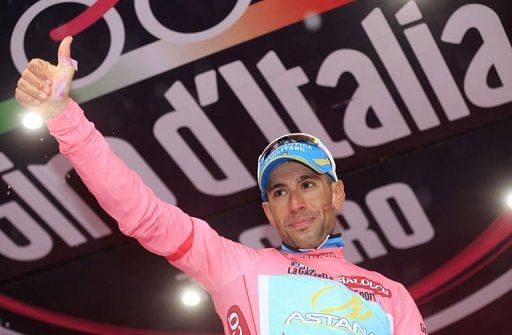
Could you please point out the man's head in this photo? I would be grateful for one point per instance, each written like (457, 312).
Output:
(299, 189)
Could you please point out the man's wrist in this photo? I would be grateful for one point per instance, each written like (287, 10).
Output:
(56, 109)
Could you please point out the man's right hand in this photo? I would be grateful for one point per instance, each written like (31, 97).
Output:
(43, 87)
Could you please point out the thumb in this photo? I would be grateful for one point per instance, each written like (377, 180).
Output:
(64, 52)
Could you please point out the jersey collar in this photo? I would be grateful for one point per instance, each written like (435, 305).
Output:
(331, 241)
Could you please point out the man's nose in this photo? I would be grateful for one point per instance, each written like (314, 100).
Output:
(297, 202)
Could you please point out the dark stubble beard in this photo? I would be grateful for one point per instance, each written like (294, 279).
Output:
(319, 235)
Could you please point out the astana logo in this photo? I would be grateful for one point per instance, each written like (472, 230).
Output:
(353, 309)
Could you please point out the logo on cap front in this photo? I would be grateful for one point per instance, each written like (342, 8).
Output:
(322, 161)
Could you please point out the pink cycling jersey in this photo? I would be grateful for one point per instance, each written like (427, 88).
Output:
(265, 291)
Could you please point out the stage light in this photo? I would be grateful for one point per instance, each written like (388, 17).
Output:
(509, 200)
(190, 297)
(32, 120)
(313, 22)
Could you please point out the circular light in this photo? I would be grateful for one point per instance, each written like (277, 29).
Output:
(509, 200)
(190, 298)
(32, 120)
(313, 22)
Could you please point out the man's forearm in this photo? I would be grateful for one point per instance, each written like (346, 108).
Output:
(119, 190)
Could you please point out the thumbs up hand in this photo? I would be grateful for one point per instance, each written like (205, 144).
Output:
(44, 87)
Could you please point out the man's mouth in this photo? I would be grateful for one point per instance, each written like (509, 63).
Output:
(301, 224)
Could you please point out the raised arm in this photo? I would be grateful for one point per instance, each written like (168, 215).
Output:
(160, 227)
(44, 88)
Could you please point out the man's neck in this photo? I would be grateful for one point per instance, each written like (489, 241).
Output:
(331, 241)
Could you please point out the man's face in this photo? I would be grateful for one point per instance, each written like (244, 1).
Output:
(302, 204)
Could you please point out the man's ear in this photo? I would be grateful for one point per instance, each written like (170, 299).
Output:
(338, 194)
(268, 212)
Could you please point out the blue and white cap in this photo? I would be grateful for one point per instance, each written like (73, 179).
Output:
(299, 147)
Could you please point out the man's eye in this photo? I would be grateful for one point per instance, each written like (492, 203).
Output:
(307, 184)
(279, 193)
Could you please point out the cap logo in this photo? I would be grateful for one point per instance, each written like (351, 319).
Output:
(283, 149)
(323, 161)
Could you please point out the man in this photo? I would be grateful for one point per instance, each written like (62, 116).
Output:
(306, 287)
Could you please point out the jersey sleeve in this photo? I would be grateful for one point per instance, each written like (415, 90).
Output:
(162, 228)
(407, 318)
